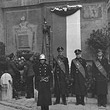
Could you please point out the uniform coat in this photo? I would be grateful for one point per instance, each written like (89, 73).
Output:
(101, 80)
(44, 93)
(60, 76)
(29, 74)
(14, 71)
(79, 86)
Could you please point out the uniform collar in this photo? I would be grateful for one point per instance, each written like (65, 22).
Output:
(43, 64)
(78, 58)
(60, 56)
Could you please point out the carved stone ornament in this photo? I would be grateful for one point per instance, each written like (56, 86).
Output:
(92, 11)
(24, 23)
(25, 35)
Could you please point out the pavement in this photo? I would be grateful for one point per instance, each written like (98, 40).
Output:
(30, 104)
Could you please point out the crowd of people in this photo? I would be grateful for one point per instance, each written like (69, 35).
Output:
(58, 77)
(21, 70)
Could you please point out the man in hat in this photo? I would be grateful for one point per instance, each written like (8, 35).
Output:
(61, 72)
(79, 75)
(43, 81)
(100, 73)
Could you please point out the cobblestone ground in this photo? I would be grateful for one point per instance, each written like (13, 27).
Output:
(30, 104)
(2, 107)
(91, 104)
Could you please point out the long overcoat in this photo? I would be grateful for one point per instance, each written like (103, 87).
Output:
(44, 92)
(59, 76)
(100, 80)
(79, 81)
(29, 74)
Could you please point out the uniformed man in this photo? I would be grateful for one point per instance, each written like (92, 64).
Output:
(29, 74)
(43, 78)
(100, 72)
(79, 75)
(61, 71)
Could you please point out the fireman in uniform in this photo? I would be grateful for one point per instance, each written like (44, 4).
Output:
(43, 82)
(79, 75)
(61, 72)
(101, 75)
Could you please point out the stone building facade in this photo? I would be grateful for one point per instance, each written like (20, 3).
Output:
(21, 23)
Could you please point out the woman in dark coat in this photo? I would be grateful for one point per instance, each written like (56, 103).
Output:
(100, 73)
(43, 80)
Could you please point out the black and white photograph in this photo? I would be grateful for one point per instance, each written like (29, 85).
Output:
(54, 54)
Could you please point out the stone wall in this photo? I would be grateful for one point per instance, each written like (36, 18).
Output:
(92, 19)
(13, 19)
(15, 3)
(93, 16)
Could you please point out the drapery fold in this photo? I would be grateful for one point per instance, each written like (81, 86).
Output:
(66, 10)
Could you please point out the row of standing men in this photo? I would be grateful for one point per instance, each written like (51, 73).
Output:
(44, 77)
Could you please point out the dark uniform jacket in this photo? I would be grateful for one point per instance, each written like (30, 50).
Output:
(101, 80)
(12, 68)
(28, 70)
(59, 76)
(29, 74)
(79, 86)
(14, 71)
(44, 93)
